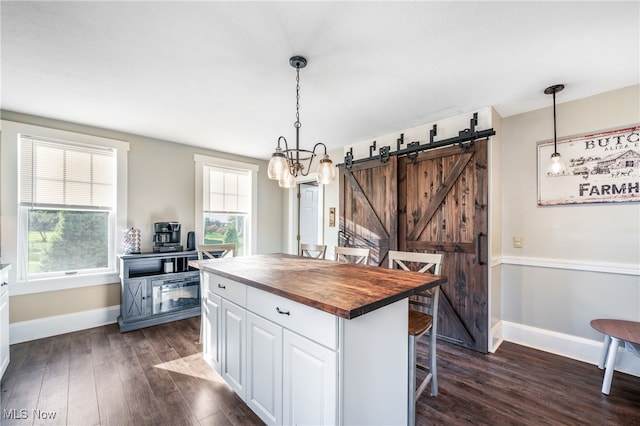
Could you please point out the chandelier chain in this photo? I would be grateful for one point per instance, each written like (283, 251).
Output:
(297, 123)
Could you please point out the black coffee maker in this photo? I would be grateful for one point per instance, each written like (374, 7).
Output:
(166, 237)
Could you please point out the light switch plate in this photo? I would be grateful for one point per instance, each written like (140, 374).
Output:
(517, 242)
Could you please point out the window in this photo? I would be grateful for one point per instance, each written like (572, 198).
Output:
(63, 204)
(226, 214)
(67, 199)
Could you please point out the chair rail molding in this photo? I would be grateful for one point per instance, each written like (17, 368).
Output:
(571, 264)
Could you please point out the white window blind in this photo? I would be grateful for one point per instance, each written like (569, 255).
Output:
(63, 174)
(226, 190)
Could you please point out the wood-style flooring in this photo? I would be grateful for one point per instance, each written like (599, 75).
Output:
(156, 376)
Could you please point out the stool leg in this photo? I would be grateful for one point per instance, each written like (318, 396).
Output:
(605, 350)
(611, 363)
(412, 381)
(432, 363)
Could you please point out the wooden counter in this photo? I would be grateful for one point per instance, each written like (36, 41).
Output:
(342, 289)
(308, 341)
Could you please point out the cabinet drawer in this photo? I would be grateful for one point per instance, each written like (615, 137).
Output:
(228, 289)
(309, 322)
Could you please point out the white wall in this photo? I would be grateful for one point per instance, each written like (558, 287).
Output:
(578, 262)
(161, 187)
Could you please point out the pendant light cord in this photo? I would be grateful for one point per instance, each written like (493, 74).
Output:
(555, 137)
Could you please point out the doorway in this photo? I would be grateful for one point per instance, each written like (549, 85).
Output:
(310, 201)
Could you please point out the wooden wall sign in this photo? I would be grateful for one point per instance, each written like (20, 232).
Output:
(601, 168)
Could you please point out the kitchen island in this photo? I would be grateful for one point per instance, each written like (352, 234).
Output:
(308, 341)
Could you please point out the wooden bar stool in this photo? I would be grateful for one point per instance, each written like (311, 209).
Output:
(615, 331)
(420, 323)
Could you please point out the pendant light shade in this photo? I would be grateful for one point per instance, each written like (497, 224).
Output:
(556, 165)
(288, 180)
(326, 171)
(278, 165)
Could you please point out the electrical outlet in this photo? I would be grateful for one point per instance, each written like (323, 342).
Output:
(517, 242)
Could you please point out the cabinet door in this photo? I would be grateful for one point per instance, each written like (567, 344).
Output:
(135, 299)
(310, 387)
(264, 369)
(4, 332)
(234, 367)
(211, 344)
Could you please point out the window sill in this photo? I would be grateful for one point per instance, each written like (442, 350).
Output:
(62, 283)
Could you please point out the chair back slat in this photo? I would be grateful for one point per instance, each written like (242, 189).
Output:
(421, 262)
(316, 251)
(214, 251)
(352, 254)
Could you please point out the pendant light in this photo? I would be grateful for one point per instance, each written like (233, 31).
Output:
(288, 163)
(556, 165)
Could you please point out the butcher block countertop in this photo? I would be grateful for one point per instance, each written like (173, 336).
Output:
(342, 289)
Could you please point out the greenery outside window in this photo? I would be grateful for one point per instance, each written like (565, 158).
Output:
(227, 203)
(67, 195)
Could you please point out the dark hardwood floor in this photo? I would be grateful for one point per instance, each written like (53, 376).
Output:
(156, 376)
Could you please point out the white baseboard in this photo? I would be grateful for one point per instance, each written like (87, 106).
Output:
(566, 345)
(25, 331)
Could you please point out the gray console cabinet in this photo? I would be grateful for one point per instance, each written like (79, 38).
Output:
(156, 288)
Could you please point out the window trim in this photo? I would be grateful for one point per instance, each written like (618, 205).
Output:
(200, 160)
(19, 284)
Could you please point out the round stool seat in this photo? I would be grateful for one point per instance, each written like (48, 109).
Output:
(615, 331)
(629, 331)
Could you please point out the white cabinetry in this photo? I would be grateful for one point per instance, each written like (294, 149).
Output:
(264, 368)
(310, 382)
(234, 342)
(294, 364)
(4, 318)
(212, 320)
(224, 333)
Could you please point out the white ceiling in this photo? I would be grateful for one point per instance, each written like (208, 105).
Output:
(217, 74)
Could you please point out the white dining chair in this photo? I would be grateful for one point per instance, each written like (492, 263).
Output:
(214, 251)
(420, 322)
(316, 251)
(352, 254)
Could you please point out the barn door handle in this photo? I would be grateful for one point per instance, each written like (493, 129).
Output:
(479, 253)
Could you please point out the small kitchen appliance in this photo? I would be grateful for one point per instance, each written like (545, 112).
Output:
(166, 237)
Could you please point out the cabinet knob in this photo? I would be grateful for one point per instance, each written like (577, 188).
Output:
(282, 312)
(4, 283)
(144, 297)
(221, 286)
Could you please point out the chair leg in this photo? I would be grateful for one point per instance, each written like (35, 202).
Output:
(433, 369)
(412, 381)
(611, 363)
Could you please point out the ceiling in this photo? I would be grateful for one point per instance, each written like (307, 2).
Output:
(217, 74)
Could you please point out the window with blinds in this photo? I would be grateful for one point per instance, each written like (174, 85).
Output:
(57, 174)
(67, 198)
(226, 206)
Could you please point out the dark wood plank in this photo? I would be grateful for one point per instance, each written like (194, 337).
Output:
(523, 386)
(514, 386)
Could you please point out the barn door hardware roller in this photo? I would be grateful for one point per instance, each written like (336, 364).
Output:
(465, 140)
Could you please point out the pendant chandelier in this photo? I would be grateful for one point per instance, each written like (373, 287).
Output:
(288, 163)
(556, 165)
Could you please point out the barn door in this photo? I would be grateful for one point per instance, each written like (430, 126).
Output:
(368, 212)
(442, 199)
